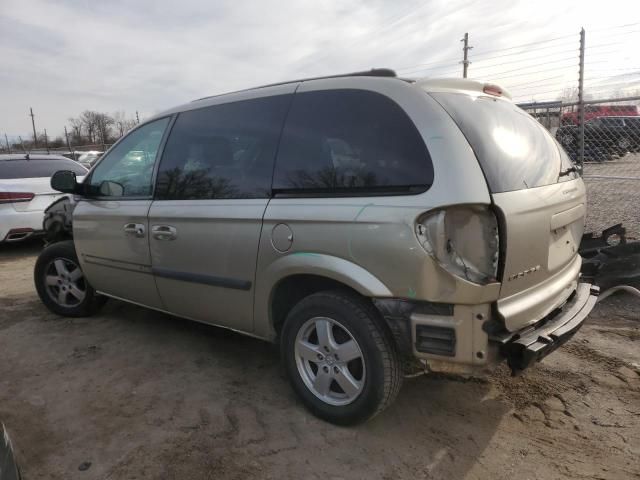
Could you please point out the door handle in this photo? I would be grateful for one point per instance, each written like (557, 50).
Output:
(135, 229)
(164, 232)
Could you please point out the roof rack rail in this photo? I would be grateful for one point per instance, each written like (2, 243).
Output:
(374, 72)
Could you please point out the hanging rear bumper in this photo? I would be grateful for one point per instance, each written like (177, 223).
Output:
(533, 343)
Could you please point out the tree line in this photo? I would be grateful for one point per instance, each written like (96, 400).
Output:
(88, 128)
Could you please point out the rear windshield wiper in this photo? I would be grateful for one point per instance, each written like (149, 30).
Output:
(566, 172)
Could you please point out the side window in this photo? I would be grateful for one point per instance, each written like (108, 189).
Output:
(350, 142)
(222, 151)
(127, 170)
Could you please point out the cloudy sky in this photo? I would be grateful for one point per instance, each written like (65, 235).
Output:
(61, 57)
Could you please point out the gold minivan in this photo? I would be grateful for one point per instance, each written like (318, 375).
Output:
(362, 221)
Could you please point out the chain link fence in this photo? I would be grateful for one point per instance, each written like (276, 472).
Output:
(607, 148)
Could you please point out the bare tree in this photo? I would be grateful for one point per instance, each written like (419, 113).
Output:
(103, 122)
(122, 123)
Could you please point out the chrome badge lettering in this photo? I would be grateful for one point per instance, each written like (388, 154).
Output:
(524, 273)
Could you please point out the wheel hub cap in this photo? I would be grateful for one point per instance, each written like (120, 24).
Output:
(65, 282)
(330, 361)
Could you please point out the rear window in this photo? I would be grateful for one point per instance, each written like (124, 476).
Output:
(514, 150)
(22, 168)
(350, 142)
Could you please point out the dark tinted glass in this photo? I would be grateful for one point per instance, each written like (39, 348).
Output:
(612, 122)
(514, 150)
(350, 141)
(37, 168)
(223, 151)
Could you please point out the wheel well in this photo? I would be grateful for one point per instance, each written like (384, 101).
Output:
(291, 290)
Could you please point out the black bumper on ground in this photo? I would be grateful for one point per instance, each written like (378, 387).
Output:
(534, 343)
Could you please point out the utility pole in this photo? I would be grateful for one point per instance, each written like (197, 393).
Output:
(7, 142)
(33, 124)
(465, 50)
(137, 118)
(46, 141)
(581, 102)
(66, 135)
(24, 149)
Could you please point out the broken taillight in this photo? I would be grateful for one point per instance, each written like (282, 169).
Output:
(464, 240)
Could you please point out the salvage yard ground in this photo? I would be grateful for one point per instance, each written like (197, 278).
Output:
(140, 394)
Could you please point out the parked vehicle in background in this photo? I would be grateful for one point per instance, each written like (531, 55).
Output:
(603, 136)
(363, 221)
(594, 111)
(87, 159)
(25, 192)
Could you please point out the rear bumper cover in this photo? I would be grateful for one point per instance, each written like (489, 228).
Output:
(533, 343)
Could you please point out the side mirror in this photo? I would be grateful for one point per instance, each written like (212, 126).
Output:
(111, 189)
(64, 181)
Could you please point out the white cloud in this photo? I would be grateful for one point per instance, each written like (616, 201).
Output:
(66, 56)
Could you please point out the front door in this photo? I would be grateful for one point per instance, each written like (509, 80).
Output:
(110, 224)
(205, 222)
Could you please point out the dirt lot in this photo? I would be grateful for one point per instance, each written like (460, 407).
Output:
(144, 395)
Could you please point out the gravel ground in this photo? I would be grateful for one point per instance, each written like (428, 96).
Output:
(614, 201)
(131, 393)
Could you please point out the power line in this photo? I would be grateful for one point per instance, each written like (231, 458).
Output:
(366, 35)
(532, 73)
(527, 90)
(531, 50)
(615, 26)
(535, 66)
(480, 66)
(527, 44)
(519, 61)
(536, 82)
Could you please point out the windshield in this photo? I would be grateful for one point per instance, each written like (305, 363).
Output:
(514, 150)
(22, 168)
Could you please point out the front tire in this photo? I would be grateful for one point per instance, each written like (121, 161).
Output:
(339, 358)
(61, 284)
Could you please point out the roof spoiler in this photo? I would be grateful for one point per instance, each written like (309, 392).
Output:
(479, 86)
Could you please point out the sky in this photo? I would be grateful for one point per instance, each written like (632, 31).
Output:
(65, 56)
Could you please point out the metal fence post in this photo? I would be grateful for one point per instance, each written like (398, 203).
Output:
(581, 103)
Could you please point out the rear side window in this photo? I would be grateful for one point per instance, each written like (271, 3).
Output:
(10, 169)
(350, 142)
(223, 151)
(514, 150)
(612, 122)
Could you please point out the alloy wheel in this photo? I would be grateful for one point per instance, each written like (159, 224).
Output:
(65, 282)
(330, 361)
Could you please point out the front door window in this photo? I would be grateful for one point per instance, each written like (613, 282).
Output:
(127, 170)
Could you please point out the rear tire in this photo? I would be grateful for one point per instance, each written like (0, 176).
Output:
(61, 285)
(349, 390)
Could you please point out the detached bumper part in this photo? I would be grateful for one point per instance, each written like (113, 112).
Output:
(536, 342)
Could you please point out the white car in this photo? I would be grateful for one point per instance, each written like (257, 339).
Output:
(25, 192)
(87, 159)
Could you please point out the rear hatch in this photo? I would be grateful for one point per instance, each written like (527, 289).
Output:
(540, 199)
